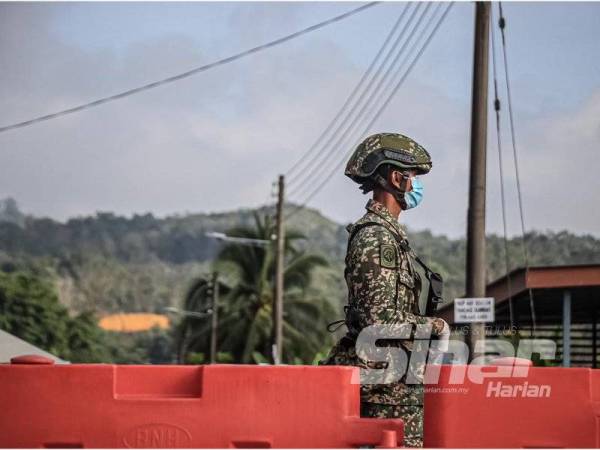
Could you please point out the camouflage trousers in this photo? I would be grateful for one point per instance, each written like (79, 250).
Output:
(412, 416)
(392, 401)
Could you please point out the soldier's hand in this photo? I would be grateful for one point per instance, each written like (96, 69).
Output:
(444, 338)
(442, 330)
(440, 327)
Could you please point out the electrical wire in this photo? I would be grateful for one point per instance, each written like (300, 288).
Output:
(502, 195)
(325, 180)
(303, 159)
(378, 113)
(412, 64)
(346, 135)
(188, 73)
(352, 138)
(354, 113)
(502, 26)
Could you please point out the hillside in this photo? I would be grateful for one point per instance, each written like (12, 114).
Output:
(109, 263)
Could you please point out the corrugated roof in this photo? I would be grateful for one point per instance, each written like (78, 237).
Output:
(133, 322)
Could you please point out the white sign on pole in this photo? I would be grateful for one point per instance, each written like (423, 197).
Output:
(472, 310)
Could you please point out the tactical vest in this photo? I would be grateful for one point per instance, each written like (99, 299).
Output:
(434, 296)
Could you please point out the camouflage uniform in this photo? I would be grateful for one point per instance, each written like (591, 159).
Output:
(383, 288)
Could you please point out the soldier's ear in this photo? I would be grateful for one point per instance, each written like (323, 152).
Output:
(395, 178)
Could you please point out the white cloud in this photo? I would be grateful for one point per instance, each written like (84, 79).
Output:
(216, 141)
(560, 167)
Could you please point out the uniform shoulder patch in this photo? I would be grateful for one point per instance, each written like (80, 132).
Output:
(387, 256)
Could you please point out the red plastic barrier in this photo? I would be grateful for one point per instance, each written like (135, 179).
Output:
(97, 405)
(549, 407)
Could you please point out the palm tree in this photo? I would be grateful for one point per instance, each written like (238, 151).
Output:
(247, 298)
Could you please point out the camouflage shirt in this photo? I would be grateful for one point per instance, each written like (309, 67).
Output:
(383, 288)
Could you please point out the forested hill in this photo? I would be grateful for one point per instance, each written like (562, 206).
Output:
(143, 238)
(143, 263)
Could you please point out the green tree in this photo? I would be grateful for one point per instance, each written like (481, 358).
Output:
(246, 298)
(87, 342)
(29, 309)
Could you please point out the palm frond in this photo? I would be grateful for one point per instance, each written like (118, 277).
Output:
(246, 301)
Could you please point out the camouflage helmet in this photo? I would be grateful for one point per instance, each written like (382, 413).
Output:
(387, 148)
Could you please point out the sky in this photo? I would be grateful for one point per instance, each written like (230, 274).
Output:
(216, 141)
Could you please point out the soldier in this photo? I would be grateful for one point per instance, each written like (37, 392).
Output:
(383, 285)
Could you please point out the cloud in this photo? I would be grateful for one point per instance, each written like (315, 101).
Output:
(560, 167)
(216, 141)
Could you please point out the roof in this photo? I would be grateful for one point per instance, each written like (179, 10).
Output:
(11, 346)
(550, 279)
(133, 322)
(545, 277)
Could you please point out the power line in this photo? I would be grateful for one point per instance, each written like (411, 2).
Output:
(383, 106)
(356, 114)
(343, 136)
(379, 112)
(501, 169)
(319, 141)
(412, 64)
(348, 136)
(189, 73)
(337, 166)
(502, 25)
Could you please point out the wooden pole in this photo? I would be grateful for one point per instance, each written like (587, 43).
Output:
(476, 262)
(279, 260)
(566, 322)
(214, 318)
(594, 337)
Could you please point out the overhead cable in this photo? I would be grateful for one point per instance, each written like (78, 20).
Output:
(383, 104)
(300, 162)
(379, 111)
(188, 73)
(304, 163)
(511, 312)
(502, 26)
(350, 127)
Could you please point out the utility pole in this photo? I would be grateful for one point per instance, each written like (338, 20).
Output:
(476, 263)
(214, 318)
(278, 294)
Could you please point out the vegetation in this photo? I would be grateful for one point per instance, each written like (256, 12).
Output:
(29, 309)
(89, 267)
(246, 299)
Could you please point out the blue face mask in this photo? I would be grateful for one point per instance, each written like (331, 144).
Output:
(414, 197)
